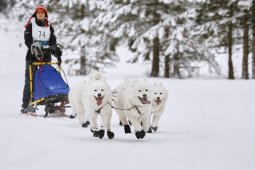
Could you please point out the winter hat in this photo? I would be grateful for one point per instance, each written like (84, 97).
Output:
(42, 8)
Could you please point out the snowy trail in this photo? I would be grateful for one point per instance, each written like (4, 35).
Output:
(208, 124)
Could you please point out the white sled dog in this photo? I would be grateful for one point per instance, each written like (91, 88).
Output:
(132, 101)
(160, 95)
(95, 100)
(98, 101)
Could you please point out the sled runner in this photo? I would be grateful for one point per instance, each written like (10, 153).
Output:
(47, 86)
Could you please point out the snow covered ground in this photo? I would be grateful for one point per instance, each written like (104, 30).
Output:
(208, 125)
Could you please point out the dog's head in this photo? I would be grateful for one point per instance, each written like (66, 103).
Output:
(100, 92)
(160, 94)
(141, 93)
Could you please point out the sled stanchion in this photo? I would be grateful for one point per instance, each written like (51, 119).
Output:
(31, 81)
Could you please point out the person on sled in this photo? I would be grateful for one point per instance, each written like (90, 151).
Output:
(38, 29)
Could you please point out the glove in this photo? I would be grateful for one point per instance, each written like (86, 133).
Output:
(53, 49)
(46, 54)
(58, 52)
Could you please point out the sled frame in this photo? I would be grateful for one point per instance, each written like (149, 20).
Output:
(31, 79)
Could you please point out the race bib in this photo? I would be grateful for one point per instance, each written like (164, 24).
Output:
(40, 33)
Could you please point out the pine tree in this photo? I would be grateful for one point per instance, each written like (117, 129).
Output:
(253, 38)
(151, 29)
(245, 72)
(6, 6)
(216, 22)
(72, 23)
(79, 34)
(3, 5)
(229, 43)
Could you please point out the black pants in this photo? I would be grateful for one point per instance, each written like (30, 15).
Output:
(26, 90)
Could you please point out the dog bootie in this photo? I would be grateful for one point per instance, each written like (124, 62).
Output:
(140, 134)
(149, 131)
(99, 134)
(84, 125)
(72, 116)
(127, 129)
(110, 134)
(154, 128)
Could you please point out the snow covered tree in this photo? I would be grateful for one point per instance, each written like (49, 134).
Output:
(151, 28)
(3, 5)
(71, 19)
(246, 22)
(232, 19)
(74, 24)
(217, 22)
(23, 9)
(184, 46)
(6, 5)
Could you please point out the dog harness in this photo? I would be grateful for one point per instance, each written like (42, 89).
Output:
(99, 110)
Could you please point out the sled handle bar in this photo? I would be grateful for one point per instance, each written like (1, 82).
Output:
(44, 63)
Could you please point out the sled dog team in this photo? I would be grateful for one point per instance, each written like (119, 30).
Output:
(137, 103)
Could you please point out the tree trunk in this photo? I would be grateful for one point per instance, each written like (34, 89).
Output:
(245, 72)
(176, 73)
(167, 66)
(230, 43)
(83, 62)
(253, 39)
(155, 59)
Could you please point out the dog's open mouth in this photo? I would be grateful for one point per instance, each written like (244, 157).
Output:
(158, 101)
(144, 100)
(99, 100)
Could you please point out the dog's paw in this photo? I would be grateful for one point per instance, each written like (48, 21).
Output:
(140, 134)
(72, 116)
(110, 134)
(150, 130)
(120, 123)
(154, 128)
(127, 129)
(99, 134)
(84, 125)
(88, 123)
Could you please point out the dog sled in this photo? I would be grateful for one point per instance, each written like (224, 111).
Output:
(47, 87)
